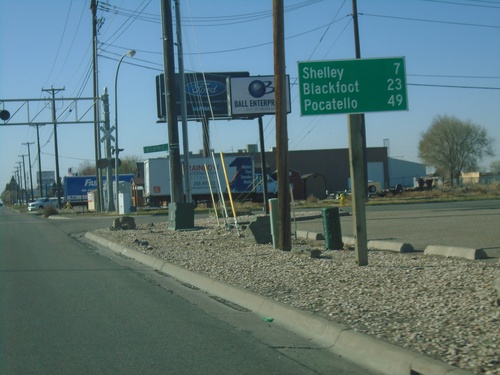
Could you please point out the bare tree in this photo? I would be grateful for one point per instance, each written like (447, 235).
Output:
(453, 146)
(129, 164)
(495, 167)
(86, 168)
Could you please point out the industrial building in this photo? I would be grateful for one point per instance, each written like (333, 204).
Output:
(331, 168)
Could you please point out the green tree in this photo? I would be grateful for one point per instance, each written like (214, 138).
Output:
(453, 146)
(12, 191)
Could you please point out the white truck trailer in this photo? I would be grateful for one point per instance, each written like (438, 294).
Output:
(244, 182)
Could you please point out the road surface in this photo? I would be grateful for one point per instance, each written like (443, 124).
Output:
(68, 308)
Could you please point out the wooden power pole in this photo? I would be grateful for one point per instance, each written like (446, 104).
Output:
(53, 91)
(284, 216)
(357, 156)
(181, 214)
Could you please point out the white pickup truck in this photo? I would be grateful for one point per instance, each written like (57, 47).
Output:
(41, 203)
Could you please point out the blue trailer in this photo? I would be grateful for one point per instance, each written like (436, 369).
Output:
(76, 188)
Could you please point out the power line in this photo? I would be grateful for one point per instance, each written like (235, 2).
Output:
(469, 5)
(455, 86)
(129, 21)
(431, 21)
(60, 42)
(204, 21)
(72, 42)
(67, 157)
(452, 76)
(135, 64)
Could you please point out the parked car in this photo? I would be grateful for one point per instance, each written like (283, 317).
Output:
(41, 203)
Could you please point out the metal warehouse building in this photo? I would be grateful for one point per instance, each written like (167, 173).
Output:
(333, 167)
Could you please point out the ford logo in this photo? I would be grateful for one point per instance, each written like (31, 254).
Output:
(208, 88)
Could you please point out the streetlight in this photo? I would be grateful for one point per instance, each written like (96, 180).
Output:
(130, 53)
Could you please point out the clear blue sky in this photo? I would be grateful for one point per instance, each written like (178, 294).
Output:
(451, 47)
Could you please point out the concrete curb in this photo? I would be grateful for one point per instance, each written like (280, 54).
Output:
(455, 252)
(375, 355)
(398, 247)
(391, 246)
(374, 244)
(310, 235)
(405, 247)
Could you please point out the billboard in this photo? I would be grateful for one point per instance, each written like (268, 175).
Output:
(254, 95)
(205, 93)
(48, 178)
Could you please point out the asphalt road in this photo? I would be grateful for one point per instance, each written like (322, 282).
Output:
(472, 224)
(69, 308)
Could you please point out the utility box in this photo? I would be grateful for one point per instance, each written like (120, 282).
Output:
(93, 200)
(124, 203)
(124, 198)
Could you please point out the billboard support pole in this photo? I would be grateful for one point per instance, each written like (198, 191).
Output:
(263, 165)
(206, 136)
(182, 95)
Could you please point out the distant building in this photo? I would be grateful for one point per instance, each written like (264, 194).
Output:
(405, 172)
(334, 166)
(329, 170)
(473, 178)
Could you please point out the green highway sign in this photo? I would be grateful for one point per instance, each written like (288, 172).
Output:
(156, 148)
(352, 86)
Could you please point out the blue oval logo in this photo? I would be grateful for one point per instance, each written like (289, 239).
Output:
(208, 88)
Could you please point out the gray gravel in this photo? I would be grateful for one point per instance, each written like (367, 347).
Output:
(445, 308)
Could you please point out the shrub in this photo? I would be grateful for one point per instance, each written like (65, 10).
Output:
(312, 199)
(49, 211)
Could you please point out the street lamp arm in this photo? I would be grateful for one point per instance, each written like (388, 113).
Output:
(130, 53)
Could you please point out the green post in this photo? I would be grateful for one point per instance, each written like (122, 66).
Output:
(331, 228)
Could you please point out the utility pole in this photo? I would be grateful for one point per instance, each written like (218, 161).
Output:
(29, 162)
(181, 214)
(284, 215)
(20, 180)
(107, 150)
(54, 120)
(357, 156)
(171, 105)
(97, 133)
(357, 48)
(12, 187)
(182, 95)
(40, 186)
(25, 182)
